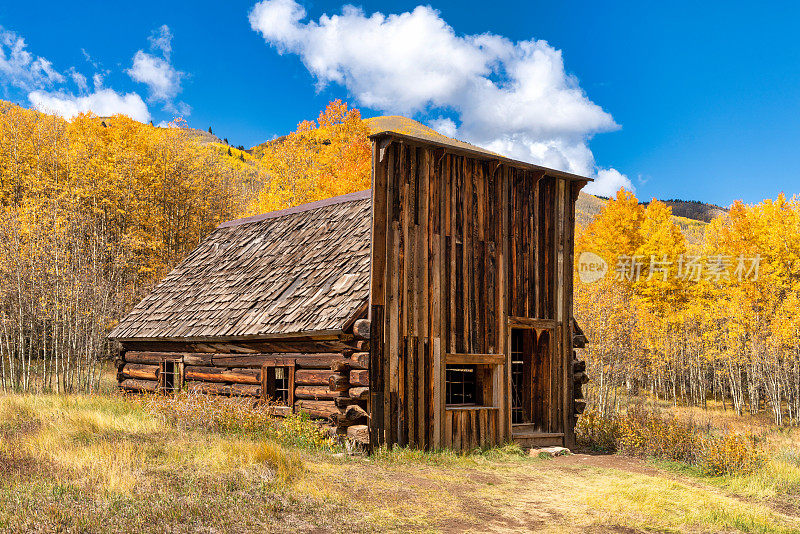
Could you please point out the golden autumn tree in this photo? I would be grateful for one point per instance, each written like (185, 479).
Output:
(321, 159)
(615, 230)
(605, 309)
(631, 314)
(94, 211)
(760, 321)
(718, 317)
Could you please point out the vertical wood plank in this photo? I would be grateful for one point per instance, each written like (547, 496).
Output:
(505, 412)
(423, 299)
(392, 323)
(409, 305)
(574, 189)
(499, 273)
(493, 438)
(462, 439)
(443, 267)
(565, 341)
(476, 266)
(448, 430)
(490, 260)
(536, 251)
(451, 260)
(460, 271)
(468, 276)
(473, 429)
(484, 429)
(377, 294)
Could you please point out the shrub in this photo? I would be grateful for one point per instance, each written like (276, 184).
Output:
(299, 430)
(730, 454)
(238, 415)
(643, 432)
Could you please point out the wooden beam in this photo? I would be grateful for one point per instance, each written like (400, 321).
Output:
(526, 322)
(475, 359)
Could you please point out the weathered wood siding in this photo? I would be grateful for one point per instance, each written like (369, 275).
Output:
(461, 245)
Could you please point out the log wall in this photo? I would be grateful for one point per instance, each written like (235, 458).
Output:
(322, 378)
(464, 248)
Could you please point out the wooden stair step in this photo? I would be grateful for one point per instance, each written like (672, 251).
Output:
(537, 439)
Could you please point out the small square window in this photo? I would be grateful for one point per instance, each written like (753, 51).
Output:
(460, 384)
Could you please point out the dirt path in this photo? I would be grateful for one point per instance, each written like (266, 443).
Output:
(604, 461)
(576, 493)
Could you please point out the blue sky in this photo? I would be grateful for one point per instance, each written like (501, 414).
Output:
(684, 100)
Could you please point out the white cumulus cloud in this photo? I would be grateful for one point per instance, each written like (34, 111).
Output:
(515, 98)
(160, 77)
(156, 71)
(444, 125)
(607, 182)
(19, 68)
(102, 102)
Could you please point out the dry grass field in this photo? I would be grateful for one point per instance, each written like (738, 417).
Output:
(107, 463)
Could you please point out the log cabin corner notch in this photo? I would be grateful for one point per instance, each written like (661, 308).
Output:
(433, 310)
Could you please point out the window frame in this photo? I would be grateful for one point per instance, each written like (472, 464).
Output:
(289, 365)
(486, 368)
(465, 386)
(177, 373)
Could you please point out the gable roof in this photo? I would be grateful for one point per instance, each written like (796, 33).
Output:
(300, 270)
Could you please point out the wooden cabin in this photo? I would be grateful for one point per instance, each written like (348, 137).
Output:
(433, 310)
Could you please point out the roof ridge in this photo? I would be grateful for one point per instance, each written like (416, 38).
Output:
(349, 197)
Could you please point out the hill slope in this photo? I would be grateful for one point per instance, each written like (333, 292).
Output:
(694, 209)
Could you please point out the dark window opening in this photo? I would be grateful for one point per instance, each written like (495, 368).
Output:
(460, 384)
(279, 384)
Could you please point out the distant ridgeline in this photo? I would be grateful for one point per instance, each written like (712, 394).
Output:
(589, 206)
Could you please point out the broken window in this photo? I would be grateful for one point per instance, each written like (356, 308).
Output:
(460, 384)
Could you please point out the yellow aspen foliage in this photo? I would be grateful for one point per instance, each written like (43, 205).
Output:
(726, 328)
(324, 158)
(93, 212)
(661, 246)
(616, 230)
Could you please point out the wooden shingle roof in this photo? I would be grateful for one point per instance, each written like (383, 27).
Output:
(294, 271)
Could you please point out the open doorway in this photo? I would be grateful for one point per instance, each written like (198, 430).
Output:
(531, 380)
